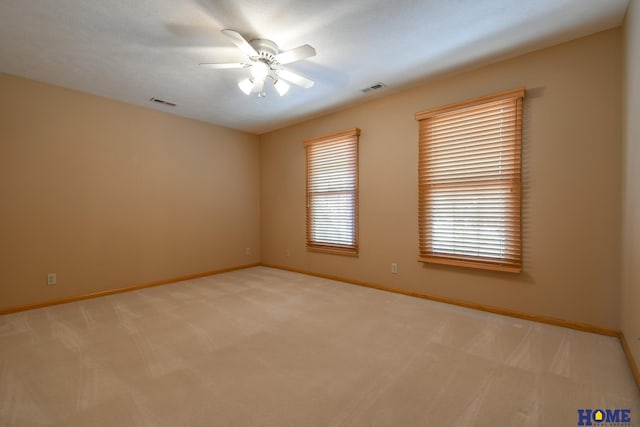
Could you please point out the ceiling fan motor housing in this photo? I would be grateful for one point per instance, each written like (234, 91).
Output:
(267, 50)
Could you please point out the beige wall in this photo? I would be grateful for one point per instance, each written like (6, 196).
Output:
(630, 301)
(572, 163)
(109, 195)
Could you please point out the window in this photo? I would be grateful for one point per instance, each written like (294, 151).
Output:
(332, 192)
(469, 206)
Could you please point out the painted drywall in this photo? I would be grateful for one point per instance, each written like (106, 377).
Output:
(630, 292)
(108, 195)
(571, 186)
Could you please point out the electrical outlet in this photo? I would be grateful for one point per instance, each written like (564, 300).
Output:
(286, 252)
(247, 251)
(52, 279)
(394, 268)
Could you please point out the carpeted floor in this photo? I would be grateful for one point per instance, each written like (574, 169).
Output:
(264, 347)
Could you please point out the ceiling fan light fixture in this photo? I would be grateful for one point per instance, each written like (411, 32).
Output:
(259, 71)
(259, 88)
(281, 87)
(264, 61)
(246, 86)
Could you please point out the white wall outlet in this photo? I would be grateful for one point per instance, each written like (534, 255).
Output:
(286, 252)
(394, 268)
(52, 279)
(247, 251)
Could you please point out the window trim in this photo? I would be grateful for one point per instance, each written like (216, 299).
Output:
(514, 266)
(337, 137)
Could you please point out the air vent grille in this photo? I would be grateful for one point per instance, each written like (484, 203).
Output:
(375, 86)
(162, 101)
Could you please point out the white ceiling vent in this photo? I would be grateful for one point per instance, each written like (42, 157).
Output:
(375, 86)
(162, 101)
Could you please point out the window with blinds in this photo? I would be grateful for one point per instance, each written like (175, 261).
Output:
(469, 169)
(332, 192)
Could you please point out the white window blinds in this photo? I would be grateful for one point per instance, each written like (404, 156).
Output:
(332, 192)
(469, 207)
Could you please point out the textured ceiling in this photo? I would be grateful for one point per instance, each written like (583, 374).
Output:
(133, 50)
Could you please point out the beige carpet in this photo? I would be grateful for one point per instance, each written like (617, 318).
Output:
(264, 347)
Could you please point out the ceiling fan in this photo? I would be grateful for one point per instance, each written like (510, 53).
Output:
(265, 61)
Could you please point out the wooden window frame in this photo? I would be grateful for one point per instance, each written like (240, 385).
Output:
(433, 172)
(313, 244)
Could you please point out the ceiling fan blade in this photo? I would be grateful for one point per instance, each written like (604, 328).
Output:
(241, 42)
(224, 66)
(300, 52)
(294, 78)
